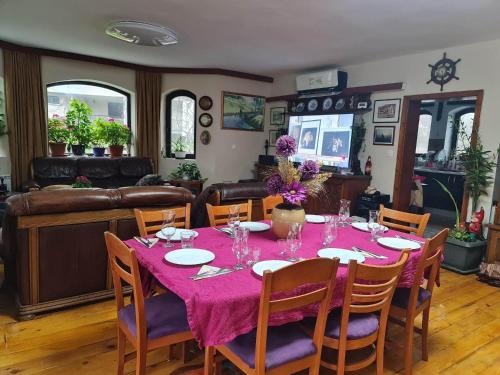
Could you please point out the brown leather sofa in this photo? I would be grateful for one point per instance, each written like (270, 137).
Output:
(53, 243)
(106, 173)
(228, 193)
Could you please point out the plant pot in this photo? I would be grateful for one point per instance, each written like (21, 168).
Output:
(285, 214)
(116, 151)
(57, 149)
(180, 154)
(99, 151)
(78, 150)
(463, 257)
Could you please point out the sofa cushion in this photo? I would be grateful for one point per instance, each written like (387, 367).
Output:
(241, 191)
(98, 168)
(55, 168)
(135, 167)
(402, 296)
(359, 326)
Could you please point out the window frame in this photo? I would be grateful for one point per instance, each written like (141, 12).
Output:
(168, 121)
(97, 84)
(427, 113)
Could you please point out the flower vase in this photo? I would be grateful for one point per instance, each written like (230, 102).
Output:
(285, 214)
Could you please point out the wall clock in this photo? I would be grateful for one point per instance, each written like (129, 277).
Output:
(443, 71)
(205, 103)
(205, 120)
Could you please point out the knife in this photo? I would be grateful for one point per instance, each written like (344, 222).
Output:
(142, 241)
(410, 239)
(370, 254)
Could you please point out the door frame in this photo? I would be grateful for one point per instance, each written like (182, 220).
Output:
(408, 138)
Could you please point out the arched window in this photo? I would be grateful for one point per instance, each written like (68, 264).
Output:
(466, 121)
(104, 100)
(424, 132)
(181, 122)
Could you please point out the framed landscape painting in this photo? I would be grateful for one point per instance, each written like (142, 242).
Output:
(242, 111)
(383, 135)
(386, 111)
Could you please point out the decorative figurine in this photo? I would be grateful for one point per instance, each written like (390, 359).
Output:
(476, 223)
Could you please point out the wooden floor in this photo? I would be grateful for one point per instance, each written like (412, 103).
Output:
(464, 339)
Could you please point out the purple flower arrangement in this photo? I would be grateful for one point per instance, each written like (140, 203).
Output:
(294, 184)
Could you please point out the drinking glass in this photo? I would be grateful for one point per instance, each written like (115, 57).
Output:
(329, 233)
(294, 240)
(240, 246)
(344, 212)
(253, 256)
(283, 248)
(168, 226)
(373, 224)
(187, 239)
(233, 219)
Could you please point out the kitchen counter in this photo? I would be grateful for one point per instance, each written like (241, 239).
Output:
(441, 171)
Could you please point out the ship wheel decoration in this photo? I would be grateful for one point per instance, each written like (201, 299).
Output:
(443, 71)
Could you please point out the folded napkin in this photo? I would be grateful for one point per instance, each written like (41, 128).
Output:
(210, 271)
(149, 242)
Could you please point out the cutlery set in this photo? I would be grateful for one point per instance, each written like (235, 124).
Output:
(367, 253)
(148, 242)
(410, 239)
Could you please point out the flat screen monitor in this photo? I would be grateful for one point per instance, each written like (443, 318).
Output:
(324, 138)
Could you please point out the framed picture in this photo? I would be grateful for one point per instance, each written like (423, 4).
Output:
(274, 134)
(309, 135)
(277, 116)
(386, 110)
(242, 111)
(383, 135)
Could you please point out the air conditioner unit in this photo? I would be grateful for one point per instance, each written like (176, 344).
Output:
(326, 82)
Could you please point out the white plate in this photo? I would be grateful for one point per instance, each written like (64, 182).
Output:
(364, 227)
(271, 265)
(315, 219)
(189, 257)
(344, 255)
(398, 243)
(255, 226)
(177, 235)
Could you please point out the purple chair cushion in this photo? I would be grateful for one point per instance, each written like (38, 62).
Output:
(360, 325)
(165, 315)
(285, 344)
(402, 296)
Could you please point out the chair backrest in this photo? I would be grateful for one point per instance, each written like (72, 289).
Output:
(217, 215)
(428, 265)
(124, 268)
(403, 220)
(150, 221)
(268, 203)
(280, 292)
(369, 289)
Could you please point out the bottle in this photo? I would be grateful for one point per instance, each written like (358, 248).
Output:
(368, 166)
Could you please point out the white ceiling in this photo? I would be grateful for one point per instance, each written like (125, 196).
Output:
(258, 36)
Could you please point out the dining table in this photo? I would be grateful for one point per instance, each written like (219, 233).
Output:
(223, 307)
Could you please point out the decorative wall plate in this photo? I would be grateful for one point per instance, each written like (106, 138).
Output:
(300, 107)
(327, 104)
(205, 137)
(340, 104)
(205, 120)
(312, 105)
(205, 103)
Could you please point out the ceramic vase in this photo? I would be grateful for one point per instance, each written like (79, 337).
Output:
(285, 214)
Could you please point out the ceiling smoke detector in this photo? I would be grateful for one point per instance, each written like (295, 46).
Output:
(142, 33)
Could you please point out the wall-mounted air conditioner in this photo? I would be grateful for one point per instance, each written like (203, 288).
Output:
(326, 82)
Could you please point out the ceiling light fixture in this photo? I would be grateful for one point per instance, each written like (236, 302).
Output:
(142, 33)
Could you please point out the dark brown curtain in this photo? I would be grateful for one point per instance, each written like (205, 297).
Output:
(26, 118)
(148, 97)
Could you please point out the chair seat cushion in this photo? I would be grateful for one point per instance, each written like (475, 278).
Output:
(285, 344)
(402, 296)
(360, 325)
(165, 315)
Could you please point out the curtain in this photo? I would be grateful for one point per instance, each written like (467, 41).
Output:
(148, 98)
(25, 109)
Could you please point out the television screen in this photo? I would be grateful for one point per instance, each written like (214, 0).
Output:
(324, 138)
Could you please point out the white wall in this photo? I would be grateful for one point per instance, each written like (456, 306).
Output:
(477, 70)
(231, 154)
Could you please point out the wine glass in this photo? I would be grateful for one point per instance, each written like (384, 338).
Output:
(373, 224)
(233, 219)
(168, 226)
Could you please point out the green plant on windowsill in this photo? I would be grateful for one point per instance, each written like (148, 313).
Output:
(98, 133)
(115, 134)
(78, 122)
(187, 171)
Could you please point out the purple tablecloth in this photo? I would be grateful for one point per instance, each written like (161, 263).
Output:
(223, 307)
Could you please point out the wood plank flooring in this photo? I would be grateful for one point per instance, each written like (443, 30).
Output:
(464, 338)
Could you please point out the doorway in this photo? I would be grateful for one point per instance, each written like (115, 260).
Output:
(412, 109)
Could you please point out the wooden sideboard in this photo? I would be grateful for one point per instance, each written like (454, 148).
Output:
(493, 249)
(338, 187)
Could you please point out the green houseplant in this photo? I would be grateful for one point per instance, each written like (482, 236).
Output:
(116, 135)
(187, 171)
(79, 124)
(98, 138)
(179, 148)
(58, 135)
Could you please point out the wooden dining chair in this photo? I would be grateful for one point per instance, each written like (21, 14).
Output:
(217, 215)
(284, 349)
(403, 220)
(150, 221)
(362, 321)
(147, 324)
(268, 203)
(408, 303)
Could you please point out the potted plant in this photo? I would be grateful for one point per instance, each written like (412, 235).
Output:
(116, 135)
(97, 133)
(58, 135)
(82, 182)
(79, 124)
(294, 184)
(179, 148)
(188, 171)
(465, 246)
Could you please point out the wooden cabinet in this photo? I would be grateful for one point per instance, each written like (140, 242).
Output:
(337, 187)
(434, 195)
